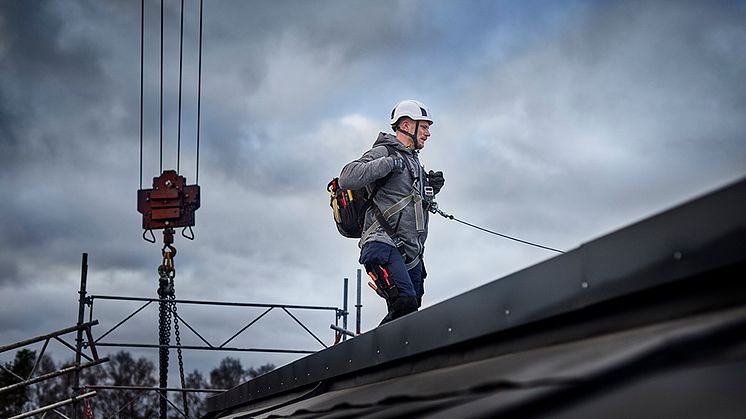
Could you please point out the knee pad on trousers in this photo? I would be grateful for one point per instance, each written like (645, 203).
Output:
(402, 306)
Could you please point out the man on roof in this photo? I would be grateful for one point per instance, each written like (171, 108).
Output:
(395, 229)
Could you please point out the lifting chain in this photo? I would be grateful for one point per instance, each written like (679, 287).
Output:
(167, 311)
(180, 357)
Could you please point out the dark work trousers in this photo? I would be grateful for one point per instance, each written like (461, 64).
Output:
(409, 284)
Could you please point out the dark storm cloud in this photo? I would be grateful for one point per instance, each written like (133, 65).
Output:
(315, 55)
(319, 59)
(332, 36)
(43, 79)
(62, 122)
(35, 69)
(359, 28)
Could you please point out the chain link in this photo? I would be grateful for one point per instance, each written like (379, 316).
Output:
(167, 311)
(165, 289)
(177, 334)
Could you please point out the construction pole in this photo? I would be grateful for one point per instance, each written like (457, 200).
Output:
(344, 309)
(79, 339)
(359, 305)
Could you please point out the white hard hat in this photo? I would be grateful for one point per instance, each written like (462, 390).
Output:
(414, 109)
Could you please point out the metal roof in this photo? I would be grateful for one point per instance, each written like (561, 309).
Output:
(559, 329)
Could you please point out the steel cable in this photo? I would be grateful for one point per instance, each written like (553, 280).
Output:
(434, 208)
(142, 61)
(199, 93)
(181, 61)
(160, 168)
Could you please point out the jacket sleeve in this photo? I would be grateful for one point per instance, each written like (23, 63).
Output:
(373, 165)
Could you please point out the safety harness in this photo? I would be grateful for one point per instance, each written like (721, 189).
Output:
(383, 217)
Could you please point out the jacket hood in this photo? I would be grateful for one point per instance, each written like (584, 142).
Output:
(389, 139)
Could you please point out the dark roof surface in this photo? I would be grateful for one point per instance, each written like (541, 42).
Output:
(506, 384)
(652, 308)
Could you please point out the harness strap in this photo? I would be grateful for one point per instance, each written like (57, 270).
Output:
(397, 207)
(413, 263)
(373, 227)
(419, 213)
(382, 218)
(383, 222)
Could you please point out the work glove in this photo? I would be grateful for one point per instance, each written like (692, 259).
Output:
(436, 180)
(397, 165)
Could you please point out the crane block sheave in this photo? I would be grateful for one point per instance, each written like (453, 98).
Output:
(170, 204)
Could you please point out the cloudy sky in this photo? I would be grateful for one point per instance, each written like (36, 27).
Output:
(555, 121)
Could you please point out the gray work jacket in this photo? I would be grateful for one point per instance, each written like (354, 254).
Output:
(399, 198)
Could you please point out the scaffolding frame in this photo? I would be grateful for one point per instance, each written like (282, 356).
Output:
(85, 341)
(75, 368)
(86, 302)
(210, 346)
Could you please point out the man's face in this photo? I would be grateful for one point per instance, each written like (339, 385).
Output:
(422, 133)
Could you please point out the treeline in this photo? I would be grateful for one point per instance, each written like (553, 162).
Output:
(121, 370)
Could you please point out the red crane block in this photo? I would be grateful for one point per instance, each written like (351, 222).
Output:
(171, 202)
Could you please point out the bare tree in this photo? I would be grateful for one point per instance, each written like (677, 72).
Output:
(54, 389)
(228, 374)
(123, 370)
(14, 402)
(197, 401)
